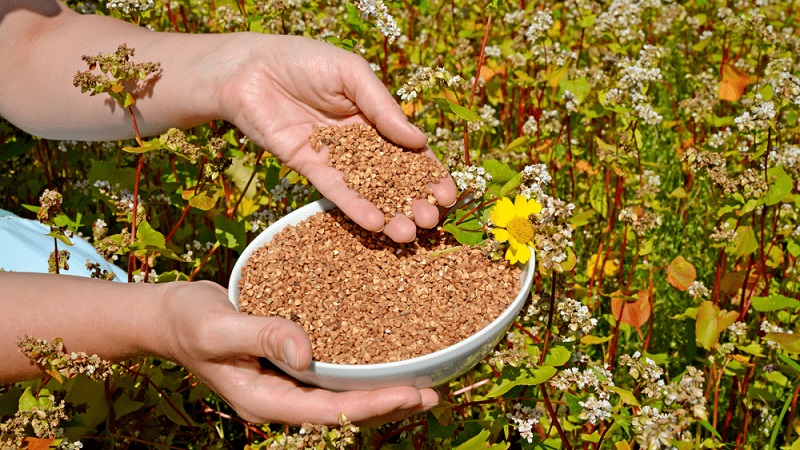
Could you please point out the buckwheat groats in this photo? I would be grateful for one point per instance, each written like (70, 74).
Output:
(389, 176)
(366, 299)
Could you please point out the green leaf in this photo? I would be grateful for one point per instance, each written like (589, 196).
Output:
(511, 185)
(579, 87)
(594, 437)
(124, 405)
(464, 113)
(745, 241)
(60, 236)
(582, 218)
(518, 376)
(15, 148)
(774, 302)
(501, 172)
(597, 198)
(646, 247)
(625, 395)
(518, 142)
(557, 356)
(793, 248)
(149, 237)
(175, 411)
(780, 187)
(752, 349)
(205, 199)
(9, 401)
(147, 146)
(590, 340)
(230, 234)
(27, 401)
(708, 427)
(129, 100)
(706, 329)
(354, 19)
(468, 232)
(788, 342)
(481, 442)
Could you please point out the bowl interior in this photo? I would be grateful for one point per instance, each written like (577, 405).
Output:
(422, 371)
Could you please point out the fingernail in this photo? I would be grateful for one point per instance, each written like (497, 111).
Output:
(418, 131)
(290, 354)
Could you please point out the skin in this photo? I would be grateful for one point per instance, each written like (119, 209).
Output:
(273, 88)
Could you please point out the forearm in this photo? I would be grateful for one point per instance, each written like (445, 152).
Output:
(113, 320)
(41, 53)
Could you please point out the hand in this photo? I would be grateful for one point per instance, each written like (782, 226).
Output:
(282, 85)
(222, 346)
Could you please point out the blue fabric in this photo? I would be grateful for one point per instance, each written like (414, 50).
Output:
(25, 247)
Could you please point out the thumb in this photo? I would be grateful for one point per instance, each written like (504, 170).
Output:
(274, 338)
(363, 88)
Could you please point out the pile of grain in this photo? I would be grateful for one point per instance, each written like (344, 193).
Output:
(365, 299)
(389, 176)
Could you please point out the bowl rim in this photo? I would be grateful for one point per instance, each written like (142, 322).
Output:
(322, 205)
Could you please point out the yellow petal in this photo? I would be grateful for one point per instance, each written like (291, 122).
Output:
(523, 253)
(500, 235)
(502, 212)
(524, 207)
(511, 256)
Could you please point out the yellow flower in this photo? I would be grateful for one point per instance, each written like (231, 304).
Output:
(512, 224)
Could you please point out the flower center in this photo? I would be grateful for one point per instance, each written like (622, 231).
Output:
(520, 229)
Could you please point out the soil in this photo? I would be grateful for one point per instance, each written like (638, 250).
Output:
(361, 297)
(366, 299)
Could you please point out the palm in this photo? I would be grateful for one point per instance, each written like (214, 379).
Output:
(308, 83)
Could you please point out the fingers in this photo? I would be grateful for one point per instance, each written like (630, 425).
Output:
(269, 337)
(364, 89)
(275, 398)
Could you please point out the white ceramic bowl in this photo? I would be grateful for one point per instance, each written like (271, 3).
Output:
(424, 371)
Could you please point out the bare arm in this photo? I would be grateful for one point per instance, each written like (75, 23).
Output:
(273, 88)
(195, 325)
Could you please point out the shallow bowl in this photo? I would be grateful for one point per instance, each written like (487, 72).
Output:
(424, 371)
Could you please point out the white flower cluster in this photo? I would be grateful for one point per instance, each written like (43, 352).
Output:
(194, 247)
(655, 430)
(738, 329)
(540, 23)
(595, 410)
(650, 184)
(648, 371)
(534, 178)
(229, 18)
(576, 315)
(488, 119)
(472, 178)
(769, 327)
(553, 233)
(787, 156)
(514, 17)
(424, 79)
(597, 407)
(129, 6)
(631, 87)
(570, 101)
(698, 290)
(492, 51)
(724, 233)
(757, 117)
(524, 418)
(376, 9)
(718, 139)
(583, 379)
(530, 127)
(152, 277)
(785, 84)
(623, 19)
(688, 393)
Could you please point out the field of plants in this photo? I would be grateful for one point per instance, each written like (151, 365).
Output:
(658, 137)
